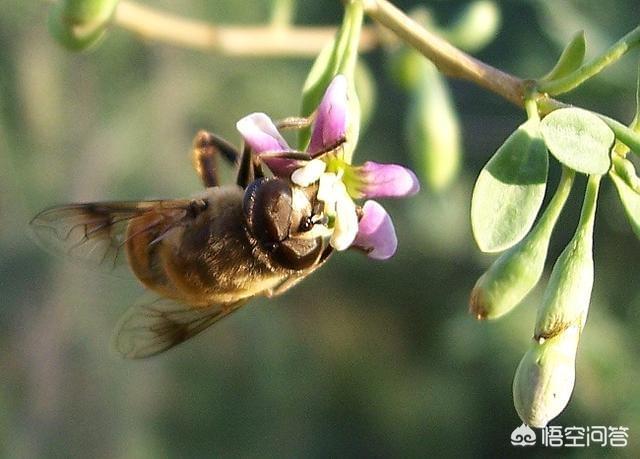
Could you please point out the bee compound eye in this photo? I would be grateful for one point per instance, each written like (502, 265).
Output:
(267, 209)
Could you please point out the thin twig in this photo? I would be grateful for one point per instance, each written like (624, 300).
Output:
(155, 25)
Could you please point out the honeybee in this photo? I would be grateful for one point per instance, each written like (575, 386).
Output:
(201, 258)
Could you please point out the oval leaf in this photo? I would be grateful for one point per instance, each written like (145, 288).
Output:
(578, 139)
(510, 189)
(570, 60)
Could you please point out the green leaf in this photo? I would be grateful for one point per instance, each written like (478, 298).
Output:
(510, 189)
(578, 139)
(570, 60)
(628, 186)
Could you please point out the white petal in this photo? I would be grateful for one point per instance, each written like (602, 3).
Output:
(309, 173)
(326, 188)
(346, 226)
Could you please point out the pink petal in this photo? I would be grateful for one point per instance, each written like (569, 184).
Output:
(387, 181)
(376, 234)
(330, 126)
(262, 136)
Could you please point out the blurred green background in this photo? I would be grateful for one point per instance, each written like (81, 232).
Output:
(362, 359)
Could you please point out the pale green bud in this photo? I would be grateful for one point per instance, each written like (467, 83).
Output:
(566, 299)
(545, 377)
(625, 169)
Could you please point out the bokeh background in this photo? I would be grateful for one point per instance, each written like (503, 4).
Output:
(362, 359)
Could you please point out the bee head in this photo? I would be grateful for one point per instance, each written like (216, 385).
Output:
(278, 214)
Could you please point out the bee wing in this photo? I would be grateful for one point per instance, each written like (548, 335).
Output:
(96, 233)
(153, 326)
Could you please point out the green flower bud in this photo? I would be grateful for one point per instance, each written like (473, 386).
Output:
(404, 63)
(338, 57)
(544, 380)
(566, 300)
(517, 271)
(625, 169)
(366, 91)
(404, 67)
(80, 24)
(432, 129)
(627, 183)
(475, 27)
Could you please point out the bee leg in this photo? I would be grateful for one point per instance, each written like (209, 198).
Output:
(295, 122)
(298, 123)
(251, 165)
(284, 285)
(295, 278)
(250, 168)
(206, 147)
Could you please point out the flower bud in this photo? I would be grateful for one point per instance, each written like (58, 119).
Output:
(625, 169)
(517, 271)
(627, 183)
(432, 129)
(566, 299)
(403, 62)
(544, 380)
(404, 67)
(476, 26)
(80, 24)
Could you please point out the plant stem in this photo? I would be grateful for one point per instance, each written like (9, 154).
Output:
(576, 78)
(449, 59)
(272, 40)
(549, 218)
(532, 109)
(624, 134)
(588, 212)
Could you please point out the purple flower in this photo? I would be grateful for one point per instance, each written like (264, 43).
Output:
(385, 181)
(331, 121)
(369, 229)
(376, 234)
